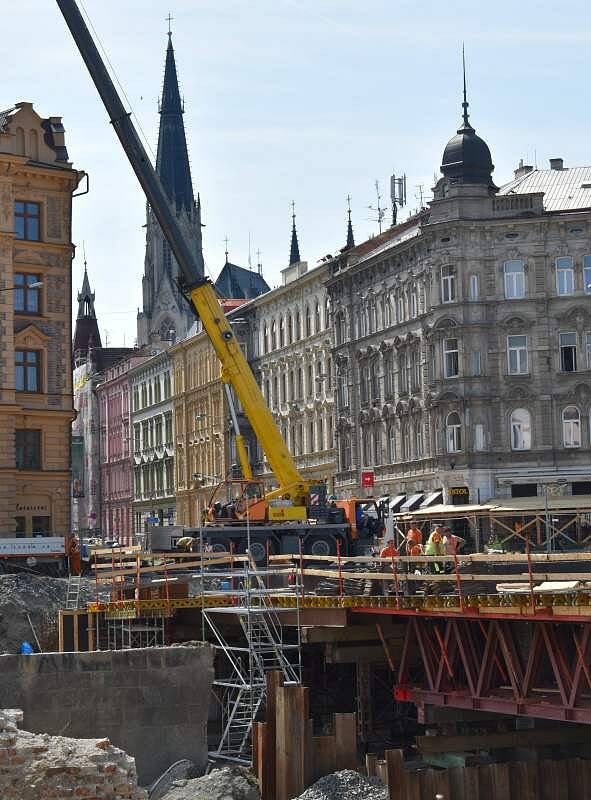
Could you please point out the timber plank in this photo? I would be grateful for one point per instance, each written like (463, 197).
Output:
(370, 764)
(457, 785)
(346, 740)
(395, 773)
(325, 756)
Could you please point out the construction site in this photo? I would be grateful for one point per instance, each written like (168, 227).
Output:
(298, 645)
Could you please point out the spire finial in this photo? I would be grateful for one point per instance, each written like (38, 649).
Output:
(169, 19)
(465, 103)
(84, 255)
(350, 237)
(226, 240)
(294, 253)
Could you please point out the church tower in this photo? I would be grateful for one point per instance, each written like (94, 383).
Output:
(165, 314)
(86, 333)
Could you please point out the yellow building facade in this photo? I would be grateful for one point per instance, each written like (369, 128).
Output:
(36, 408)
(199, 426)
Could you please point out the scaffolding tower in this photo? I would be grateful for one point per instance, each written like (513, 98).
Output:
(242, 690)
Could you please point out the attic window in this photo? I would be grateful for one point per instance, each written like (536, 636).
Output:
(511, 235)
(576, 230)
(586, 186)
(445, 239)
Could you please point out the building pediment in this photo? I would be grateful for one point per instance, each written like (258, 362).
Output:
(515, 323)
(446, 322)
(576, 315)
(30, 338)
(520, 392)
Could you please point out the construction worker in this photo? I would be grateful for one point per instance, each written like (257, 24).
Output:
(435, 547)
(389, 550)
(414, 535)
(451, 542)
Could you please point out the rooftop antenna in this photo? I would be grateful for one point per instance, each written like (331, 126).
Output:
(249, 256)
(226, 240)
(397, 194)
(419, 194)
(259, 265)
(381, 212)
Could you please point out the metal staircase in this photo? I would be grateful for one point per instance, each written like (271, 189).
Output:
(243, 689)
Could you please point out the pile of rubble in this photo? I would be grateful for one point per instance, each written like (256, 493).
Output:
(29, 606)
(226, 783)
(346, 784)
(35, 766)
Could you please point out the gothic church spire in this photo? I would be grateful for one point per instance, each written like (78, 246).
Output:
(172, 160)
(294, 253)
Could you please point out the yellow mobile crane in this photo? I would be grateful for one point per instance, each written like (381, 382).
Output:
(291, 500)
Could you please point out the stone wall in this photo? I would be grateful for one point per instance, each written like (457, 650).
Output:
(152, 703)
(34, 766)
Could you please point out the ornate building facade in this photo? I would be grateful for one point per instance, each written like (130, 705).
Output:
(165, 314)
(463, 338)
(290, 351)
(116, 474)
(36, 185)
(153, 442)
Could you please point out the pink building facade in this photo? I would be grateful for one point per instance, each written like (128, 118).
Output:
(116, 452)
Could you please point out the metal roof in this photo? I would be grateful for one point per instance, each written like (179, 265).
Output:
(505, 506)
(564, 189)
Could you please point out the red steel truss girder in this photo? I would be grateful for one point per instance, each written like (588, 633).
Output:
(538, 669)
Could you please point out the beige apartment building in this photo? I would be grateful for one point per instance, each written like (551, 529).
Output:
(36, 410)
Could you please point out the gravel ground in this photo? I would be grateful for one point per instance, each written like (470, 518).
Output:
(345, 785)
(41, 598)
(226, 783)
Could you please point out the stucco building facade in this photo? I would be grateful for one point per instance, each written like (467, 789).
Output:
(462, 351)
(153, 442)
(36, 185)
(116, 465)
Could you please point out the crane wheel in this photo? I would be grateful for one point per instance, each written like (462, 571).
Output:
(321, 545)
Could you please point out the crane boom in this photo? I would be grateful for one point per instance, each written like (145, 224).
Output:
(197, 289)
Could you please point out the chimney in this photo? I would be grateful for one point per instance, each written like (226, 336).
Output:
(556, 163)
(522, 169)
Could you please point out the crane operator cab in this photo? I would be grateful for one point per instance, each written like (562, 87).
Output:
(233, 501)
(365, 515)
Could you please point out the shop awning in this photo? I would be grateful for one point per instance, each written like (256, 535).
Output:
(432, 498)
(396, 502)
(413, 502)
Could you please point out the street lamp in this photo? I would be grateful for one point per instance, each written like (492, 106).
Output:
(35, 285)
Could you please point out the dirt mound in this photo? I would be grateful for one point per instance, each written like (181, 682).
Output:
(40, 598)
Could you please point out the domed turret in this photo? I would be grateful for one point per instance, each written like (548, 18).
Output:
(466, 158)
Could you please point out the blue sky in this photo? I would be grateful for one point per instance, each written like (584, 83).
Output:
(304, 100)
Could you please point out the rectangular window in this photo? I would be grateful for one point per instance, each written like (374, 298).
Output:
(26, 220)
(41, 526)
(514, 275)
(588, 349)
(568, 352)
(451, 361)
(448, 285)
(158, 431)
(27, 449)
(565, 276)
(27, 370)
(517, 359)
(168, 428)
(473, 287)
(476, 362)
(26, 293)
(587, 274)
(479, 438)
(137, 438)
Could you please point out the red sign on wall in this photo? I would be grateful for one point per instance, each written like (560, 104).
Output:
(367, 478)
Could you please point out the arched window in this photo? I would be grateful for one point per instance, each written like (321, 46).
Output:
(345, 449)
(291, 396)
(418, 436)
(341, 328)
(365, 377)
(273, 336)
(300, 392)
(453, 432)
(473, 287)
(310, 379)
(298, 327)
(326, 313)
(308, 323)
(317, 324)
(571, 427)
(387, 312)
(372, 317)
(520, 429)
(377, 445)
(401, 308)
(282, 332)
(289, 329)
(265, 338)
(414, 303)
